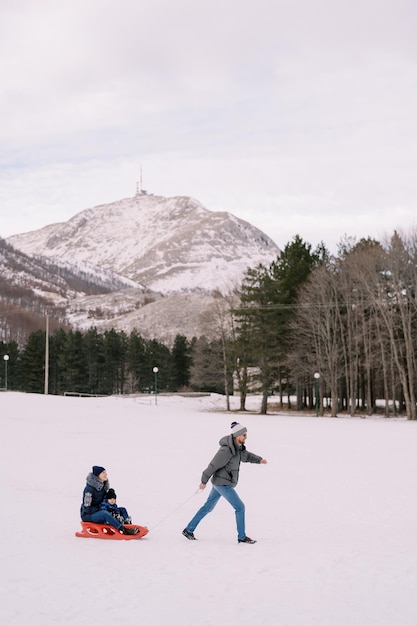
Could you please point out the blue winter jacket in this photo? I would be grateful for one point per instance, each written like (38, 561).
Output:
(119, 512)
(93, 495)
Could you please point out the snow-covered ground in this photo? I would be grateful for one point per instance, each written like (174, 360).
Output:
(334, 513)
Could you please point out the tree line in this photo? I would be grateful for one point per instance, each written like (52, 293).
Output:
(349, 319)
(111, 362)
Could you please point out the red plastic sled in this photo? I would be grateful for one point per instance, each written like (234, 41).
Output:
(104, 531)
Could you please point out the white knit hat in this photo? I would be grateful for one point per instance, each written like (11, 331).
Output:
(238, 429)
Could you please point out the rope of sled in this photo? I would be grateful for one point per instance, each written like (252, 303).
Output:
(175, 510)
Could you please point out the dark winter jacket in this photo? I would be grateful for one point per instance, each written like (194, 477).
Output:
(224, 467)
(119, 512)
(111, 508)
(93, 495)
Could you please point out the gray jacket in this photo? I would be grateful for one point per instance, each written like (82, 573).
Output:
(223, 469)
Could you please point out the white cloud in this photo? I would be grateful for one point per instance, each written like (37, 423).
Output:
(304, 109)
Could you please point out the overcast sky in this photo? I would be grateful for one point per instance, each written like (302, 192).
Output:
(298, 116)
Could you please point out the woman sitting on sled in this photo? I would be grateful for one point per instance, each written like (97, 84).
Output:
(94, 494)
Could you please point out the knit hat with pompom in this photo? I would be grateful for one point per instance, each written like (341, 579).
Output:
(237, 429)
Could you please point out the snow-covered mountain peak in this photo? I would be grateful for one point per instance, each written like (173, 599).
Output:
(167, 244)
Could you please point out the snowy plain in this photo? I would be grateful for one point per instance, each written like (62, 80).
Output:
(334, 512)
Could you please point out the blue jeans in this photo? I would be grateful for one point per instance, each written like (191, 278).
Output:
(104, 517)
(231, 496)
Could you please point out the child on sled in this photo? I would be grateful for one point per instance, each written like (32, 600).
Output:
(119, 512)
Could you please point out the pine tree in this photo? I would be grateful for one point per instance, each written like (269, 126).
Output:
(181, 362)
(267, 300)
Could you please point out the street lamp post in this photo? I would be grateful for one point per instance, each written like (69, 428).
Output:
(5, 358)
(155, 371)
(316, 377)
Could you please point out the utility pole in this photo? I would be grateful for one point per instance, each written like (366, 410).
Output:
(47, 356)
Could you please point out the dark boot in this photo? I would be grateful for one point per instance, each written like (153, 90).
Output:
(126, 530)
(189, 535)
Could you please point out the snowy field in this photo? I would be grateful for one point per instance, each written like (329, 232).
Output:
(334, 513)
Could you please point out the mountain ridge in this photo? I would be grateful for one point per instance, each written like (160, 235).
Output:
(167, 244)
(164, 261)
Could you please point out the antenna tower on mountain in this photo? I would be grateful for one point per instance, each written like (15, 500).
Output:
(139, 190)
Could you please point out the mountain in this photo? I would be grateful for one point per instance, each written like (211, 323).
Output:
(148, 262)
(31, 286)
(168, 245)
(154, 316)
